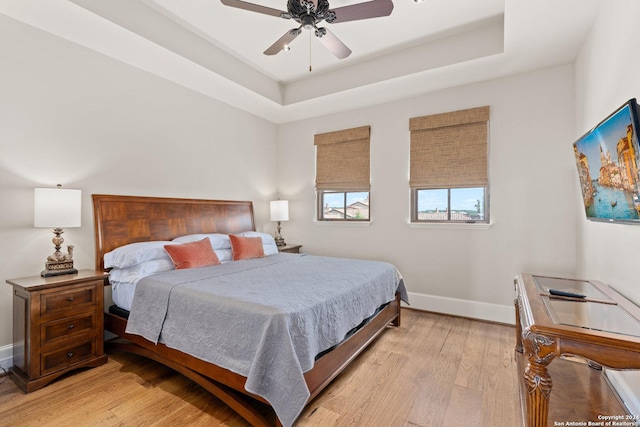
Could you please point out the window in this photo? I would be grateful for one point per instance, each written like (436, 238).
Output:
(449, 167)
(342, 175)
(346, 205)
(450, 204)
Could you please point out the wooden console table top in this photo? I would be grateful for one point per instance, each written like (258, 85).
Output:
(603, 328)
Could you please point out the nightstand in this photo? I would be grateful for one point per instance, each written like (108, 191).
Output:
(57, 326)
(292, 249)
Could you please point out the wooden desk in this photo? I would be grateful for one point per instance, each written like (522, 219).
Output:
(603, 328)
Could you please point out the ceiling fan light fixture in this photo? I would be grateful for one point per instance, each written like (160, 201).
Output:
(308, 22)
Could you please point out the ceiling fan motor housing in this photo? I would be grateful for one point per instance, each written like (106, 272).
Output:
(310, 12)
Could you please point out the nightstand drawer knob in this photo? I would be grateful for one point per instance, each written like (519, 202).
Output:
(70, 354)
(70, 326)
(70, 299)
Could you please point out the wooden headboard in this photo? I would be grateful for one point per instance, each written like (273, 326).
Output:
(119, 220)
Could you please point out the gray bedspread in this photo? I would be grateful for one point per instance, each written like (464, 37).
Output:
(266, 318)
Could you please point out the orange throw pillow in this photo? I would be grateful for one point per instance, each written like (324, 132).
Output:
(246, 247)
(192, 254)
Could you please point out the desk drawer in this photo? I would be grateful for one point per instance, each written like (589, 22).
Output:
(67, 327)
(65, 357)
(71, 299)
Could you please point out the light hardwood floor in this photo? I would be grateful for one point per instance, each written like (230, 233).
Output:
(434, 370)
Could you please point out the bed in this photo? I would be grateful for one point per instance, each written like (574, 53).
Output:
(123, 220)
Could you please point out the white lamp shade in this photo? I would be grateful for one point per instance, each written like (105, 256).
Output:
(57, 207)
(280, 210)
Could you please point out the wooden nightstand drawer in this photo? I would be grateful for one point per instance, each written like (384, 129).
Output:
(67, 328)
(66, 357)
(75, 299)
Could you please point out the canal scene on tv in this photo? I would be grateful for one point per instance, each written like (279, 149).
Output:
(607, 160)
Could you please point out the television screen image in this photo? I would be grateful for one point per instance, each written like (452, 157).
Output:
(607, 158)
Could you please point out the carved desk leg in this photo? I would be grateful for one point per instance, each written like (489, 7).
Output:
(540, 351)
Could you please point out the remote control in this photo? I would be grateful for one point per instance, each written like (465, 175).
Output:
(559, 293)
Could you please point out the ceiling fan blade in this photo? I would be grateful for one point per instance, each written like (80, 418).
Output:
(282, 42)
(370, 9)
(253, 7)
(334, 45)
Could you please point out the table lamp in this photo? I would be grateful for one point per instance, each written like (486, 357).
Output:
(279, 212)
(57, 208)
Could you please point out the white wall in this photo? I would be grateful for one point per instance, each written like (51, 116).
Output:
(532, 194)
(71, 116)
(607, 75)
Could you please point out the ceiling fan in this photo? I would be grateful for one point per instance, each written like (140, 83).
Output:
(309, 13)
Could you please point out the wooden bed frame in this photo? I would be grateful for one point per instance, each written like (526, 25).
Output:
(119, 220)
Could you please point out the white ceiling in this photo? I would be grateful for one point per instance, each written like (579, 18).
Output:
(217, 50)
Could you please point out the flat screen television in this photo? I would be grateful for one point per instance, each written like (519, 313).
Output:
(607, 158)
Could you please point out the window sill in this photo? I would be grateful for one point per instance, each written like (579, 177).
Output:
(450, 225)
(342, 223)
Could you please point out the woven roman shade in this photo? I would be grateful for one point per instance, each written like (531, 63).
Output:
(450, 150)
(342, 160)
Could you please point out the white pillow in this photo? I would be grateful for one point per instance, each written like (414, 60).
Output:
(268, 242)
(218, 241)
(224, 255)
(138, 271)
(135, 253)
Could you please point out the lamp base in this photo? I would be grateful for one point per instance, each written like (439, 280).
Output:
(278, 237)
(58, 268)
(51, 273)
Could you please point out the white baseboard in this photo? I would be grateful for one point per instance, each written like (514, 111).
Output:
(465, 308)
(6, 356)
(627, 385)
